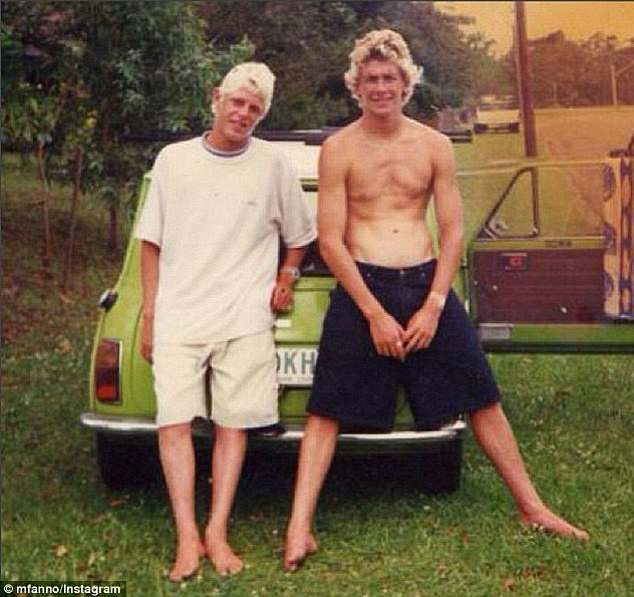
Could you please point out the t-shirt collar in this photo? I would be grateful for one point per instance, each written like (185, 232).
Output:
(221, 152)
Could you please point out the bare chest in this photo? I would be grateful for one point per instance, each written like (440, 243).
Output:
(389, 173)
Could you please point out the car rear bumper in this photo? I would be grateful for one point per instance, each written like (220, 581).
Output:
(287, 439)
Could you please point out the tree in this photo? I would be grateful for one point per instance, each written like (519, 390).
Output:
(571, 73)
(558, 66)
(144, 65)
(491, 75)
(105, 71)
(624, 66)
(604, 54)
(33, 88)
(306, 49)
(82, 77)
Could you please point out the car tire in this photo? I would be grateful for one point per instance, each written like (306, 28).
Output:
(441, 470)
(126, 465)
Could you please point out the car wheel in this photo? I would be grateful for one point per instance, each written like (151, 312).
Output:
(441, 470)
(126, 465)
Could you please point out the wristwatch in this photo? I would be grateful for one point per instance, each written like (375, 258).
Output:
(291, 271)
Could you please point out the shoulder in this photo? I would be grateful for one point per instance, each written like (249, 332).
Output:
(271, 152)
(345, 136)
(434, 144)
(183, 150)
(268, 149)
(428, 135)
(342, 144)
(181, 147)
(264, 147)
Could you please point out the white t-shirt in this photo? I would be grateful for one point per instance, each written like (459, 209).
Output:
(217, 221)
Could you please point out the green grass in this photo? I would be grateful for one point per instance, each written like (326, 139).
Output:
(572, 415)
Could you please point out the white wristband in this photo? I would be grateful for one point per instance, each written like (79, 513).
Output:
(438, 299)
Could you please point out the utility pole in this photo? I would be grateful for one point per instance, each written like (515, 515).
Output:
(614, 74)
(523, 81)
(526, 106)
(615, 101)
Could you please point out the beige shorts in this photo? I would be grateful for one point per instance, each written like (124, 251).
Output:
(243, 382)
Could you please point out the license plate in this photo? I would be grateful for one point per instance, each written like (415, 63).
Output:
(296, 366)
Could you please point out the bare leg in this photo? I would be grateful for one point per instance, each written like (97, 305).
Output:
(177, 458)
(495, 436)
(315, 456)
(228, 457)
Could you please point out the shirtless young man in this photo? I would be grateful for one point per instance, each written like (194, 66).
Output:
(209, 232)
(393, 318)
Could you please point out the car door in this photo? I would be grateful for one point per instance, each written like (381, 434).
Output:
(551, 266)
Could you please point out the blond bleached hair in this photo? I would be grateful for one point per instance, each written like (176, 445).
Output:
(383, 44)
(253, 76)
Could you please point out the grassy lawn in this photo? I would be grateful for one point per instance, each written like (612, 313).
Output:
(572, 415)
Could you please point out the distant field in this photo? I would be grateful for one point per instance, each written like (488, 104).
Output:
(584, 132)
(570, 197)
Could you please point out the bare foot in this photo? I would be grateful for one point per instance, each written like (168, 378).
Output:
(220, 554)
(298, 547)
(187, 562)
(547, 521)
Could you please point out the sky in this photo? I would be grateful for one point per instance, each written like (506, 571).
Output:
(578, 20)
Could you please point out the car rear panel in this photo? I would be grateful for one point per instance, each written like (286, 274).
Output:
(299, 330)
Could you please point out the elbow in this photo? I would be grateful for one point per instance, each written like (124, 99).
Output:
(328, 247)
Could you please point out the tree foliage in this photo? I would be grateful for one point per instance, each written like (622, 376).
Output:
(577, 73)
(88, 75)
(490, 74)
(436, 42)
(308, 51)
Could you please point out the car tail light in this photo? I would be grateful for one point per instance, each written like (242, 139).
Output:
(107, 371)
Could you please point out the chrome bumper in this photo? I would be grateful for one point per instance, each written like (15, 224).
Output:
(125, 426)
(117, 425)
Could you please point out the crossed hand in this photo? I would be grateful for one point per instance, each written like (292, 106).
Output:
(391, 340)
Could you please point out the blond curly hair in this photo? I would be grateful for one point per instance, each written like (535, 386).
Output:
(383, 44)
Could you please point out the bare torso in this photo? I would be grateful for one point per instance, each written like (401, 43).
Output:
(376, 178)
(388, 187)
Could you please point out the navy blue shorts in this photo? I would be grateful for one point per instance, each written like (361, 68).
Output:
(357, 386)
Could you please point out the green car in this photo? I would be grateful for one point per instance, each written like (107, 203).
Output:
(539, 274)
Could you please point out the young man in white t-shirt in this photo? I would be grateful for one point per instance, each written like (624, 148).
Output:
(210, 230)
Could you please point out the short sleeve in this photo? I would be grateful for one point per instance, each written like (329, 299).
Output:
(150, 224)
(298, 220)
